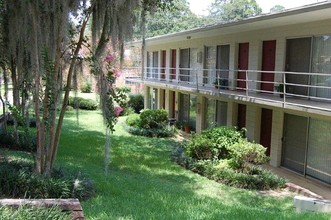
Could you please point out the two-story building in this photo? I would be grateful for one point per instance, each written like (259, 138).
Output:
(270, 74)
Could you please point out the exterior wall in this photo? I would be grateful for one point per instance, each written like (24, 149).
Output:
(255, 39)
(253, 111)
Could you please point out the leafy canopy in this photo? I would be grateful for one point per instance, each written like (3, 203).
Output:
(233, 10)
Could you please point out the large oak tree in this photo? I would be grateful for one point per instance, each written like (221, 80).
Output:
(40, 38)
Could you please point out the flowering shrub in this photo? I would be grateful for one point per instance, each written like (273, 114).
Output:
(110, 96)
(118, 110)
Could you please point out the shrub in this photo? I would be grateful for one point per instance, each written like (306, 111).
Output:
(88, 104)
(25, 142)
(17, 180)
(153, 119)
(164, 132)
(244, 153)
(213, 143)
(133, 120)
(31, 122)
(74, 102)
(258, 178)
(81, 103)
(200, 148)
(127, 111)
(136, 101)
(86, 87)
(222, 138)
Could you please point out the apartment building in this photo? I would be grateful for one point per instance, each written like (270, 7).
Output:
(269, 74)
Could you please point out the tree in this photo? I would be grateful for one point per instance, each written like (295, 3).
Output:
(277, 8)
(175, 19)
(41, 38)
(233, 10)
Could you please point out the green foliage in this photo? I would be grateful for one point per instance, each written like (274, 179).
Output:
(213, 143)
(244, 153)
(17, 180)
(154, 119)
(223, 154)
(200, 148)
(155, 132)
(127, 111)
(26, 212)
(136, 101)
(254, 178)
(150, 123)
(25, 141)
(182, 18)
(277, 8)
(86, 87)
(81, 103)
(233, 10)
(122, 96)
(88, 104)
(142, 171)
(133, 120)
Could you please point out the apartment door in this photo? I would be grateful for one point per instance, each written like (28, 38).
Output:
(268, 64)
(241, 118)
(298, 57)
(223, 64)
(295, 142)
(173, 64)
(184, 64)
(242, 64)
(265, 133)
(163, 63)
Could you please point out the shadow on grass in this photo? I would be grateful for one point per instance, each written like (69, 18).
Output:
(145, 184)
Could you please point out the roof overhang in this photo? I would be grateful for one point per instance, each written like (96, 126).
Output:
(310, 13)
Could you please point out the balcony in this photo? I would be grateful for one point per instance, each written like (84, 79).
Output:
(308, 92)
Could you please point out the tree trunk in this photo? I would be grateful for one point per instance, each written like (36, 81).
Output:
(66, 95)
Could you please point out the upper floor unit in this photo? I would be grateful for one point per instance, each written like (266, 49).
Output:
(281, 59)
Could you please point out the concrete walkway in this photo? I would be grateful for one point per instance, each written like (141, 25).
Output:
(303, 185)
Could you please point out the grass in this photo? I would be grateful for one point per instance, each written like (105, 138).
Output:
(145, 184)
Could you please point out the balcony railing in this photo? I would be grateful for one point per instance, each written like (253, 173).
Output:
(307, 90)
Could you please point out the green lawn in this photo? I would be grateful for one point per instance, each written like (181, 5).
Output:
(145, 184)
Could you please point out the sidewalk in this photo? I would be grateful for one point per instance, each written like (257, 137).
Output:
(302, 185)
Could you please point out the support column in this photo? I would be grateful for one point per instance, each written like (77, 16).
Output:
(200, 114)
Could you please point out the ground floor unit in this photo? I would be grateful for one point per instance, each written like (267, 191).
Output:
(297, 140)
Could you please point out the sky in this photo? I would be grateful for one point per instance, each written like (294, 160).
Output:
(199, 6)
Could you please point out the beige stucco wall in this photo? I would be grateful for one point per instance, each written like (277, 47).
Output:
(253, 112)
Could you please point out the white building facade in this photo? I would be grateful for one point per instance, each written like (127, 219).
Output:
(233, 75)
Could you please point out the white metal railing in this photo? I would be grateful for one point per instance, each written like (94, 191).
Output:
(287, 87)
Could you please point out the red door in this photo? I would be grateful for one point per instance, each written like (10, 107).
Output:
(242, 64)
(163, 64)
(268, 64)
(173, 64)
(266, 125)
(241, 119)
